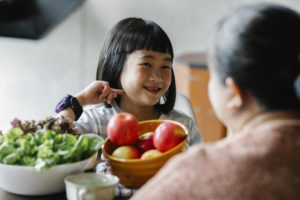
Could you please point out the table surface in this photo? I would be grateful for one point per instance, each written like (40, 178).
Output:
(61, 196)
(9, 196)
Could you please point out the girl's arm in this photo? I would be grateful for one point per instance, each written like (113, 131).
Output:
(96, 92)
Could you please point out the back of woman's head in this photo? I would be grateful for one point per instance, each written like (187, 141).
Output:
(258, 46)
(127, 36)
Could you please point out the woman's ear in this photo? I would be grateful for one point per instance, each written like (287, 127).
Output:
(235, 95)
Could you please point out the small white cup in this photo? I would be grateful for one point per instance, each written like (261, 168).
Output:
(91, 186)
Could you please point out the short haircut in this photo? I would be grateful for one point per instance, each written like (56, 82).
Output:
(127, 36)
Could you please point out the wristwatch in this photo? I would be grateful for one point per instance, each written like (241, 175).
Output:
(69, 102)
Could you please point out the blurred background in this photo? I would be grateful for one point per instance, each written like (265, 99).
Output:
(36, 73)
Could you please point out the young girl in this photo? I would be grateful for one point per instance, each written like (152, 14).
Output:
(134, 75)
(254, 65)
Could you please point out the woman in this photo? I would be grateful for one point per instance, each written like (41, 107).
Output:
(254, 64)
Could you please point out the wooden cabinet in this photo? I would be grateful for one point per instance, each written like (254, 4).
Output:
(192, 80)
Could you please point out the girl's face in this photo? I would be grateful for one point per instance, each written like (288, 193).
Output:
(146, 76)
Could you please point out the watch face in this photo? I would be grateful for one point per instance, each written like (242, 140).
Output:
(63, 104)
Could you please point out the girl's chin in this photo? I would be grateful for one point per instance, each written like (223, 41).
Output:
(145, 99)
(148, 103)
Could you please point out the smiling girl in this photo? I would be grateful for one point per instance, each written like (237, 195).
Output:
(134, 75)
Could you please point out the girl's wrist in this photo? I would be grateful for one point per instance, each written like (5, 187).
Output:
(81, 99)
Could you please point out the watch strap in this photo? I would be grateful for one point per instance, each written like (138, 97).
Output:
(76, 107)
(70, 102)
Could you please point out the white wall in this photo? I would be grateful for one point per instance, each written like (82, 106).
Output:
(36, 74)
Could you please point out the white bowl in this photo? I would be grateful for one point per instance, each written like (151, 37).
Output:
(25, 180)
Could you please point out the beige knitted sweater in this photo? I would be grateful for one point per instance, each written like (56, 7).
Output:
(263, 164)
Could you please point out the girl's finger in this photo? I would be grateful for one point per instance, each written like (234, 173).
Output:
(105, 91)
(110, 98)
(118, 91)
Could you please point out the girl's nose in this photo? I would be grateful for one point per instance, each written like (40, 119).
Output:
(155, 76)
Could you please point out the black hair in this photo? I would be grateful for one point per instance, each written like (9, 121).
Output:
(258, 45)
(127, 36)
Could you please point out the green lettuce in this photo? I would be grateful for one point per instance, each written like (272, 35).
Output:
(45, 148)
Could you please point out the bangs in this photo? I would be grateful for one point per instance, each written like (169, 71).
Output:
(142, 35)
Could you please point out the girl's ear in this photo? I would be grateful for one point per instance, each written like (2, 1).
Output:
(235, 94)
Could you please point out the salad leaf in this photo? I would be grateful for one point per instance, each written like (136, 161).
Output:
(95, 144)
(46, 148)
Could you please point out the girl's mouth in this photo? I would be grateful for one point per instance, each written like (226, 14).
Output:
(153, 90)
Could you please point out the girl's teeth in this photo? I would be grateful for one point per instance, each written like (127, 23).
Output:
(152, 89)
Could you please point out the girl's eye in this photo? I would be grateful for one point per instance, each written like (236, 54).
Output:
(147, 64)
(166, 67)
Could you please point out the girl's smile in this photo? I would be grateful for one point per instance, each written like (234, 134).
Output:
(152, 89)
(146, 76)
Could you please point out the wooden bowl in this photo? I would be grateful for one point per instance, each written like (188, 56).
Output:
(134, 173)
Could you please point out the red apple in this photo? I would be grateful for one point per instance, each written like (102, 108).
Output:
(150, 154)
(145, 142)
(168, 135)
(123, 129)
(126, 152)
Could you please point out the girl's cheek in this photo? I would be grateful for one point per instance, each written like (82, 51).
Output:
(140, 73)
(170, 79)
(167, 75)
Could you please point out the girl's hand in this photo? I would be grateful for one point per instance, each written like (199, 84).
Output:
(98, 92)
